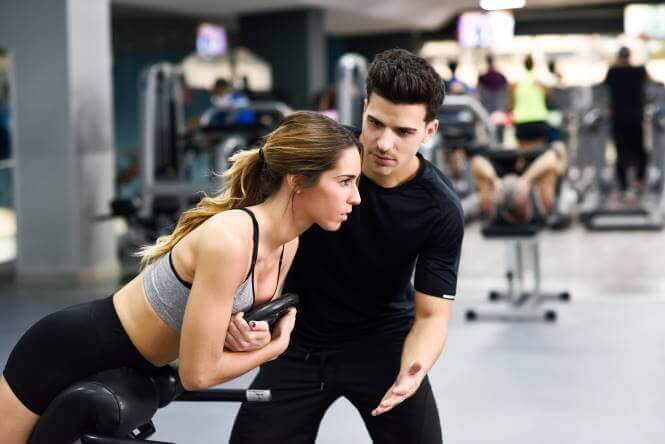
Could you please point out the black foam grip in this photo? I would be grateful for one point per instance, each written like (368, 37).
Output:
(272, 310)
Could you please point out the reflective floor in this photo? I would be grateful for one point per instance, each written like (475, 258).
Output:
(594, 376)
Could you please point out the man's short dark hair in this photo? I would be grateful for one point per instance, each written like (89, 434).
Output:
(402, 77)
(624, 53)
(221, 83)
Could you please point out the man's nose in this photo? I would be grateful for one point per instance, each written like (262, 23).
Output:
(386, 140)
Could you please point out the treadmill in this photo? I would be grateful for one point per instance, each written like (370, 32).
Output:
(647, 212)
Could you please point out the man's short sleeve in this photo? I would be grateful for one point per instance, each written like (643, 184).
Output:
(438, 263)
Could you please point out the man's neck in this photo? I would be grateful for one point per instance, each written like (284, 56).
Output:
(398, 177)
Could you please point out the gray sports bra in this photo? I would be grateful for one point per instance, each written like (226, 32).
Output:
(167, 293)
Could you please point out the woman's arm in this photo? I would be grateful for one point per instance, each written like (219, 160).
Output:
(242, 337)
(223, 255)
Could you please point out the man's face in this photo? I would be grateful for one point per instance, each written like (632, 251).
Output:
(392, 134)
(220, 91)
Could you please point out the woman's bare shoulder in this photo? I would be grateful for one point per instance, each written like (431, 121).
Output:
(228, 229)
(233, 222)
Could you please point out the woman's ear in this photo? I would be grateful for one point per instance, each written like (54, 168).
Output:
(293, 182)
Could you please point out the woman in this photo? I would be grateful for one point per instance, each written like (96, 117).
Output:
(234, 248)
(527, 101)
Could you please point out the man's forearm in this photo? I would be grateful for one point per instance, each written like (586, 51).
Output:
(425, 342)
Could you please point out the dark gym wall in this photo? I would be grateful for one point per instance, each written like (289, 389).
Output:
(142, 38)
(293, 43)
(573, 20)
(368, 46)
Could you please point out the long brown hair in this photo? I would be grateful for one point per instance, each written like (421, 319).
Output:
(305, 144)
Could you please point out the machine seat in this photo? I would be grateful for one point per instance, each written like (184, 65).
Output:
(511, 231)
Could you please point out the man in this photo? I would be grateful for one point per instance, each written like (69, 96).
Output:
(228, 106)
(363, 331)
(626, 85)
(454, 85)
(492, 87)
(519, 186)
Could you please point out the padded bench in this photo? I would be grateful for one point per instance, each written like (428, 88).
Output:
(521, 240)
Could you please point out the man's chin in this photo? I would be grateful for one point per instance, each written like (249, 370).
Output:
(380, 170)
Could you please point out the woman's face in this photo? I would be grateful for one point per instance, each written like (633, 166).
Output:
(329, 201)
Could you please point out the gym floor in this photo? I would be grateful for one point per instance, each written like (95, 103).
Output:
(594, 376)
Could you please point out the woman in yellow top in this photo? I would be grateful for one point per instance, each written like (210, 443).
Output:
(226, 255)
(527, 103)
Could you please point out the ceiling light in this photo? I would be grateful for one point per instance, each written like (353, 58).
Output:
(492, 5)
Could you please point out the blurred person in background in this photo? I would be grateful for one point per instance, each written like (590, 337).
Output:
(626, 86)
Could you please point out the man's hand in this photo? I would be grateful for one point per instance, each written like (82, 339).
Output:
(405, 386)
(242, 336)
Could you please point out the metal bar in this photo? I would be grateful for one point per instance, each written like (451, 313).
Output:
(536, 269)
(478, 109)
(520, 268)
(226, 395)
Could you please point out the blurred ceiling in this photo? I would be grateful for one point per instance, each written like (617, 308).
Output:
(350, 16)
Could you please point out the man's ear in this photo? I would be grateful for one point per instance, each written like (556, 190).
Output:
(430, 129)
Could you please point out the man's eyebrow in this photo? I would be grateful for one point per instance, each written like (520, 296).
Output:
(401, 128)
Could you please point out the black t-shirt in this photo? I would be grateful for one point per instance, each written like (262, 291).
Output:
(510, 161)
(626, 89)
(355, 283)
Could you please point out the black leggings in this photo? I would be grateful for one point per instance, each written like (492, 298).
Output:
(67, 346)
(304, 384)
(629, 142)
